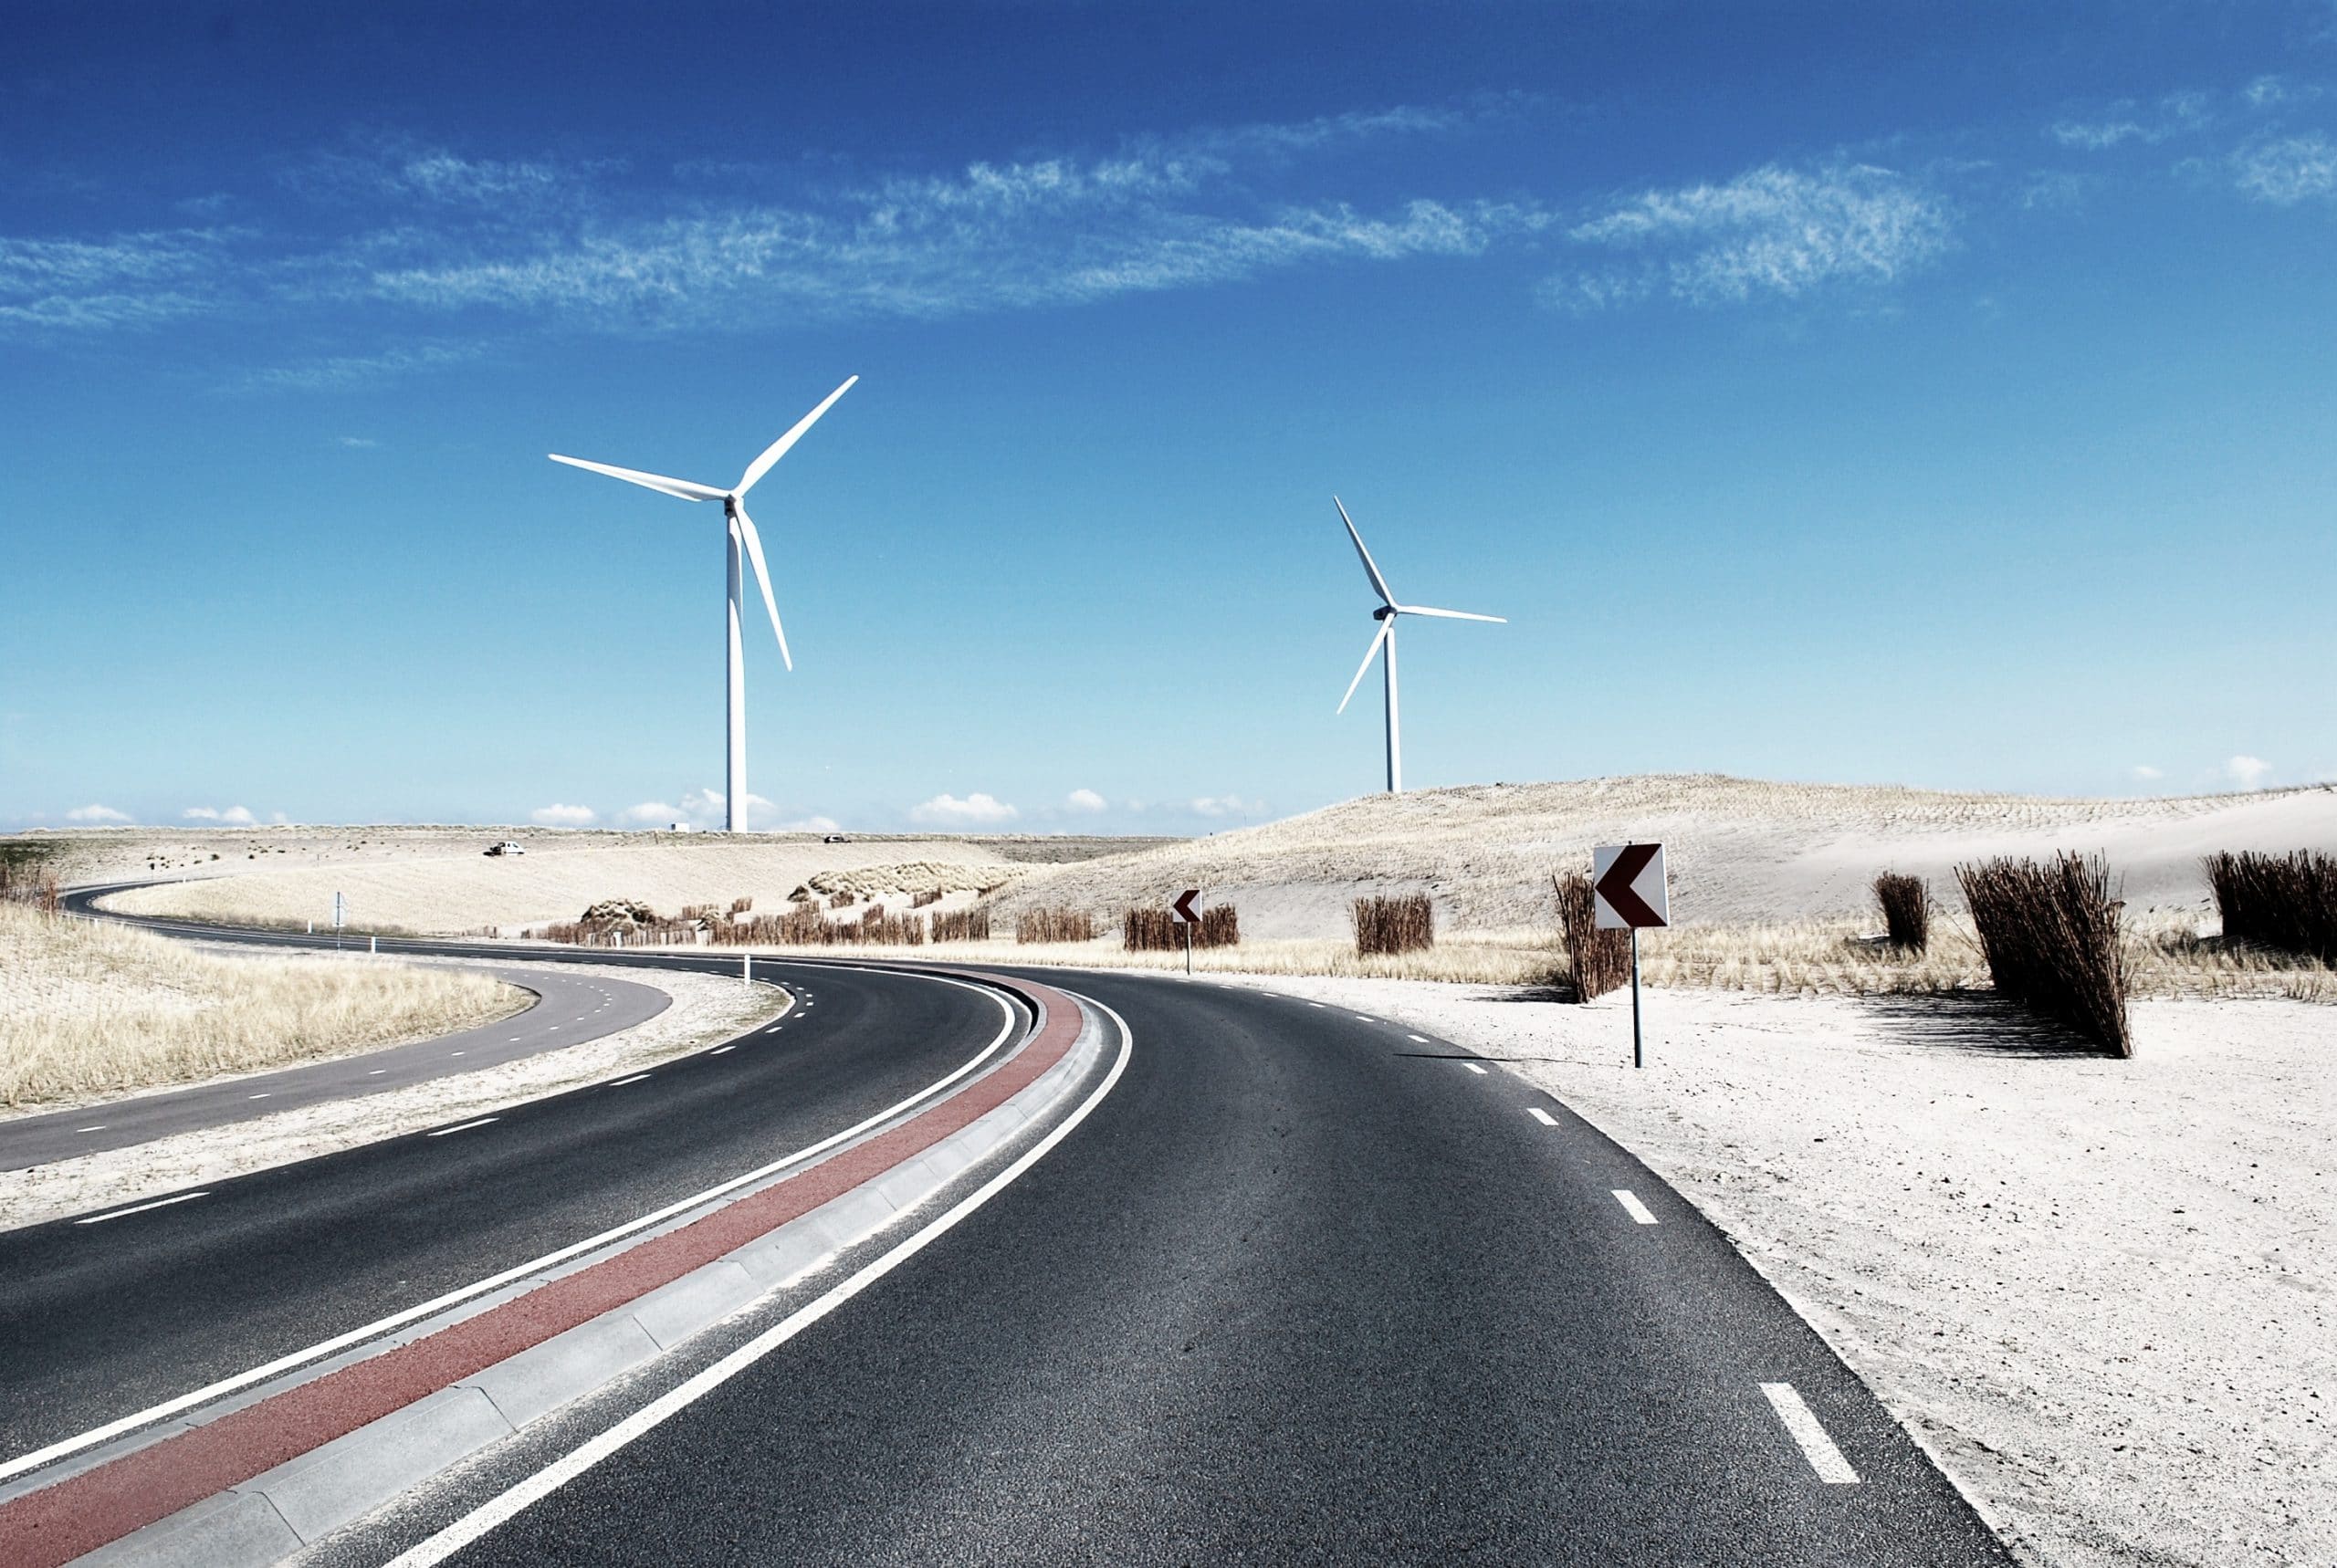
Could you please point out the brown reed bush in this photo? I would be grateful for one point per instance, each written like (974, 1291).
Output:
(25, 880)
(843, 900)
(2051, 936)
(2285, 901)
(1054, 926)
(1597, 961)
(919, 901)
(1404, 924)
(1155, 930)
(961, 924)
(1906, 910)
(742, 905)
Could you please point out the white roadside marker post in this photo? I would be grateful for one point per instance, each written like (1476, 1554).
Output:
(1629, 890)
(747, 967)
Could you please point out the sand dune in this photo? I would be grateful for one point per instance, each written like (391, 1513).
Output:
(1740, 849)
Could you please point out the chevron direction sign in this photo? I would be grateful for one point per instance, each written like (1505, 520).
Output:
(1183, 908)
(1628, 887)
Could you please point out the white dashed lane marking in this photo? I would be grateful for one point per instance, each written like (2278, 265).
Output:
(1417, 1039)
(1816, 1446)
(466, 1127)
(259, 1096)
(720, 1049)
(1474, 1068)
(622, 1081)
(143, 1207)
(1541, 1116)
(99, 1128)
(1634, 1207)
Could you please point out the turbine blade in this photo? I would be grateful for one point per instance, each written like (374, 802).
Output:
(1449, 614)
(686, 489)
(1369, 654)
(778, 449)
(762, 580)
(1378, 583)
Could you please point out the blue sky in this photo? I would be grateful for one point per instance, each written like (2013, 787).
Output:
(1935, 394)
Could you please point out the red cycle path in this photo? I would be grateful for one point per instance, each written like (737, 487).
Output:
(51, 1527)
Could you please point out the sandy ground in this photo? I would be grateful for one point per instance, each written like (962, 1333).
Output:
(465, 891)
(2101, 1292)
(707, 1008)
(1740, 851)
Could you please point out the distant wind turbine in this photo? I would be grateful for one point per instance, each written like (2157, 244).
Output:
(742, 533)
(1386, 636)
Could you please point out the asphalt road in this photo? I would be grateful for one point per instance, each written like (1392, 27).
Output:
(102, 1320)
(1306, 1287)
(570, 1009)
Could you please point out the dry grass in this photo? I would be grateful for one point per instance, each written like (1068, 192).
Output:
(89, 1010)
(1596, 961)
(1403, 924)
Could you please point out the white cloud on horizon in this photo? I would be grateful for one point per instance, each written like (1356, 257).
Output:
(2145, 772)
(1771, 231)
(1085, 802)
(2248, 772)
(95, 813)
(233, 816)
(1226, 806)
(559, 816)
(976, 810)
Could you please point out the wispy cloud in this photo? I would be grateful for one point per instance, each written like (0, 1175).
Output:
(334, 372)
(1772, 231)
(234, 816)
(1226, 806)
(2287, 170)
(122, 280)
(95, 814)
(559, 816)
(2177, 114)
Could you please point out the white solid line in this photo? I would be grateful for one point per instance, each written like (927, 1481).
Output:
(1632, 1205)
(1816, 1446)
(552, 1477)
(282, 1363)
(1541, 1116)
(143, 1207)
(99, 1128)
(466, 1127)
(1474, 1068)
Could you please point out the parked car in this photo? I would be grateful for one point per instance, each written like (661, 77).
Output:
(506, 848)
(837, 839)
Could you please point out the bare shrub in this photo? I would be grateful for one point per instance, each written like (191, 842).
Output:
(920, 900)
(1906, 910)
(1597, 961)
(1156, 930)
(2286, 901)
(1404, 924)
(843, 900)
(1054, 926)
(2051, 936)
(961, 924)
(742, 905)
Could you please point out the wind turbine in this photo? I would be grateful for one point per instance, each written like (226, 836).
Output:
(742, 533)
(1386, 636)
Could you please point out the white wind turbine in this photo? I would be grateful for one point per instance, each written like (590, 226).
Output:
(742, 533)
(1385, 615)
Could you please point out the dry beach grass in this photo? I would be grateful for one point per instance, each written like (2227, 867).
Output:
(90, 1009)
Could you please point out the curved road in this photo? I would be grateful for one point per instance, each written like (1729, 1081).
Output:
(1306, 1287)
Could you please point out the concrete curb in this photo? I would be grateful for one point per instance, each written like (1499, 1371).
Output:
(308, 1495)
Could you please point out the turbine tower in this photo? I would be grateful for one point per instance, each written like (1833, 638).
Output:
(742, 536)
(1385, 637)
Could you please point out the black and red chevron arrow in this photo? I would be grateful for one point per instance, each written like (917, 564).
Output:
(1615, 887)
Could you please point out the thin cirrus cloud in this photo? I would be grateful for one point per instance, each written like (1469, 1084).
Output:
(2286, 170)
(1773, 231)
(430, 235)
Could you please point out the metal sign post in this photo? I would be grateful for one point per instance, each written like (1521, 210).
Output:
(1629, 891)
(1187, 917)
(340, 917)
